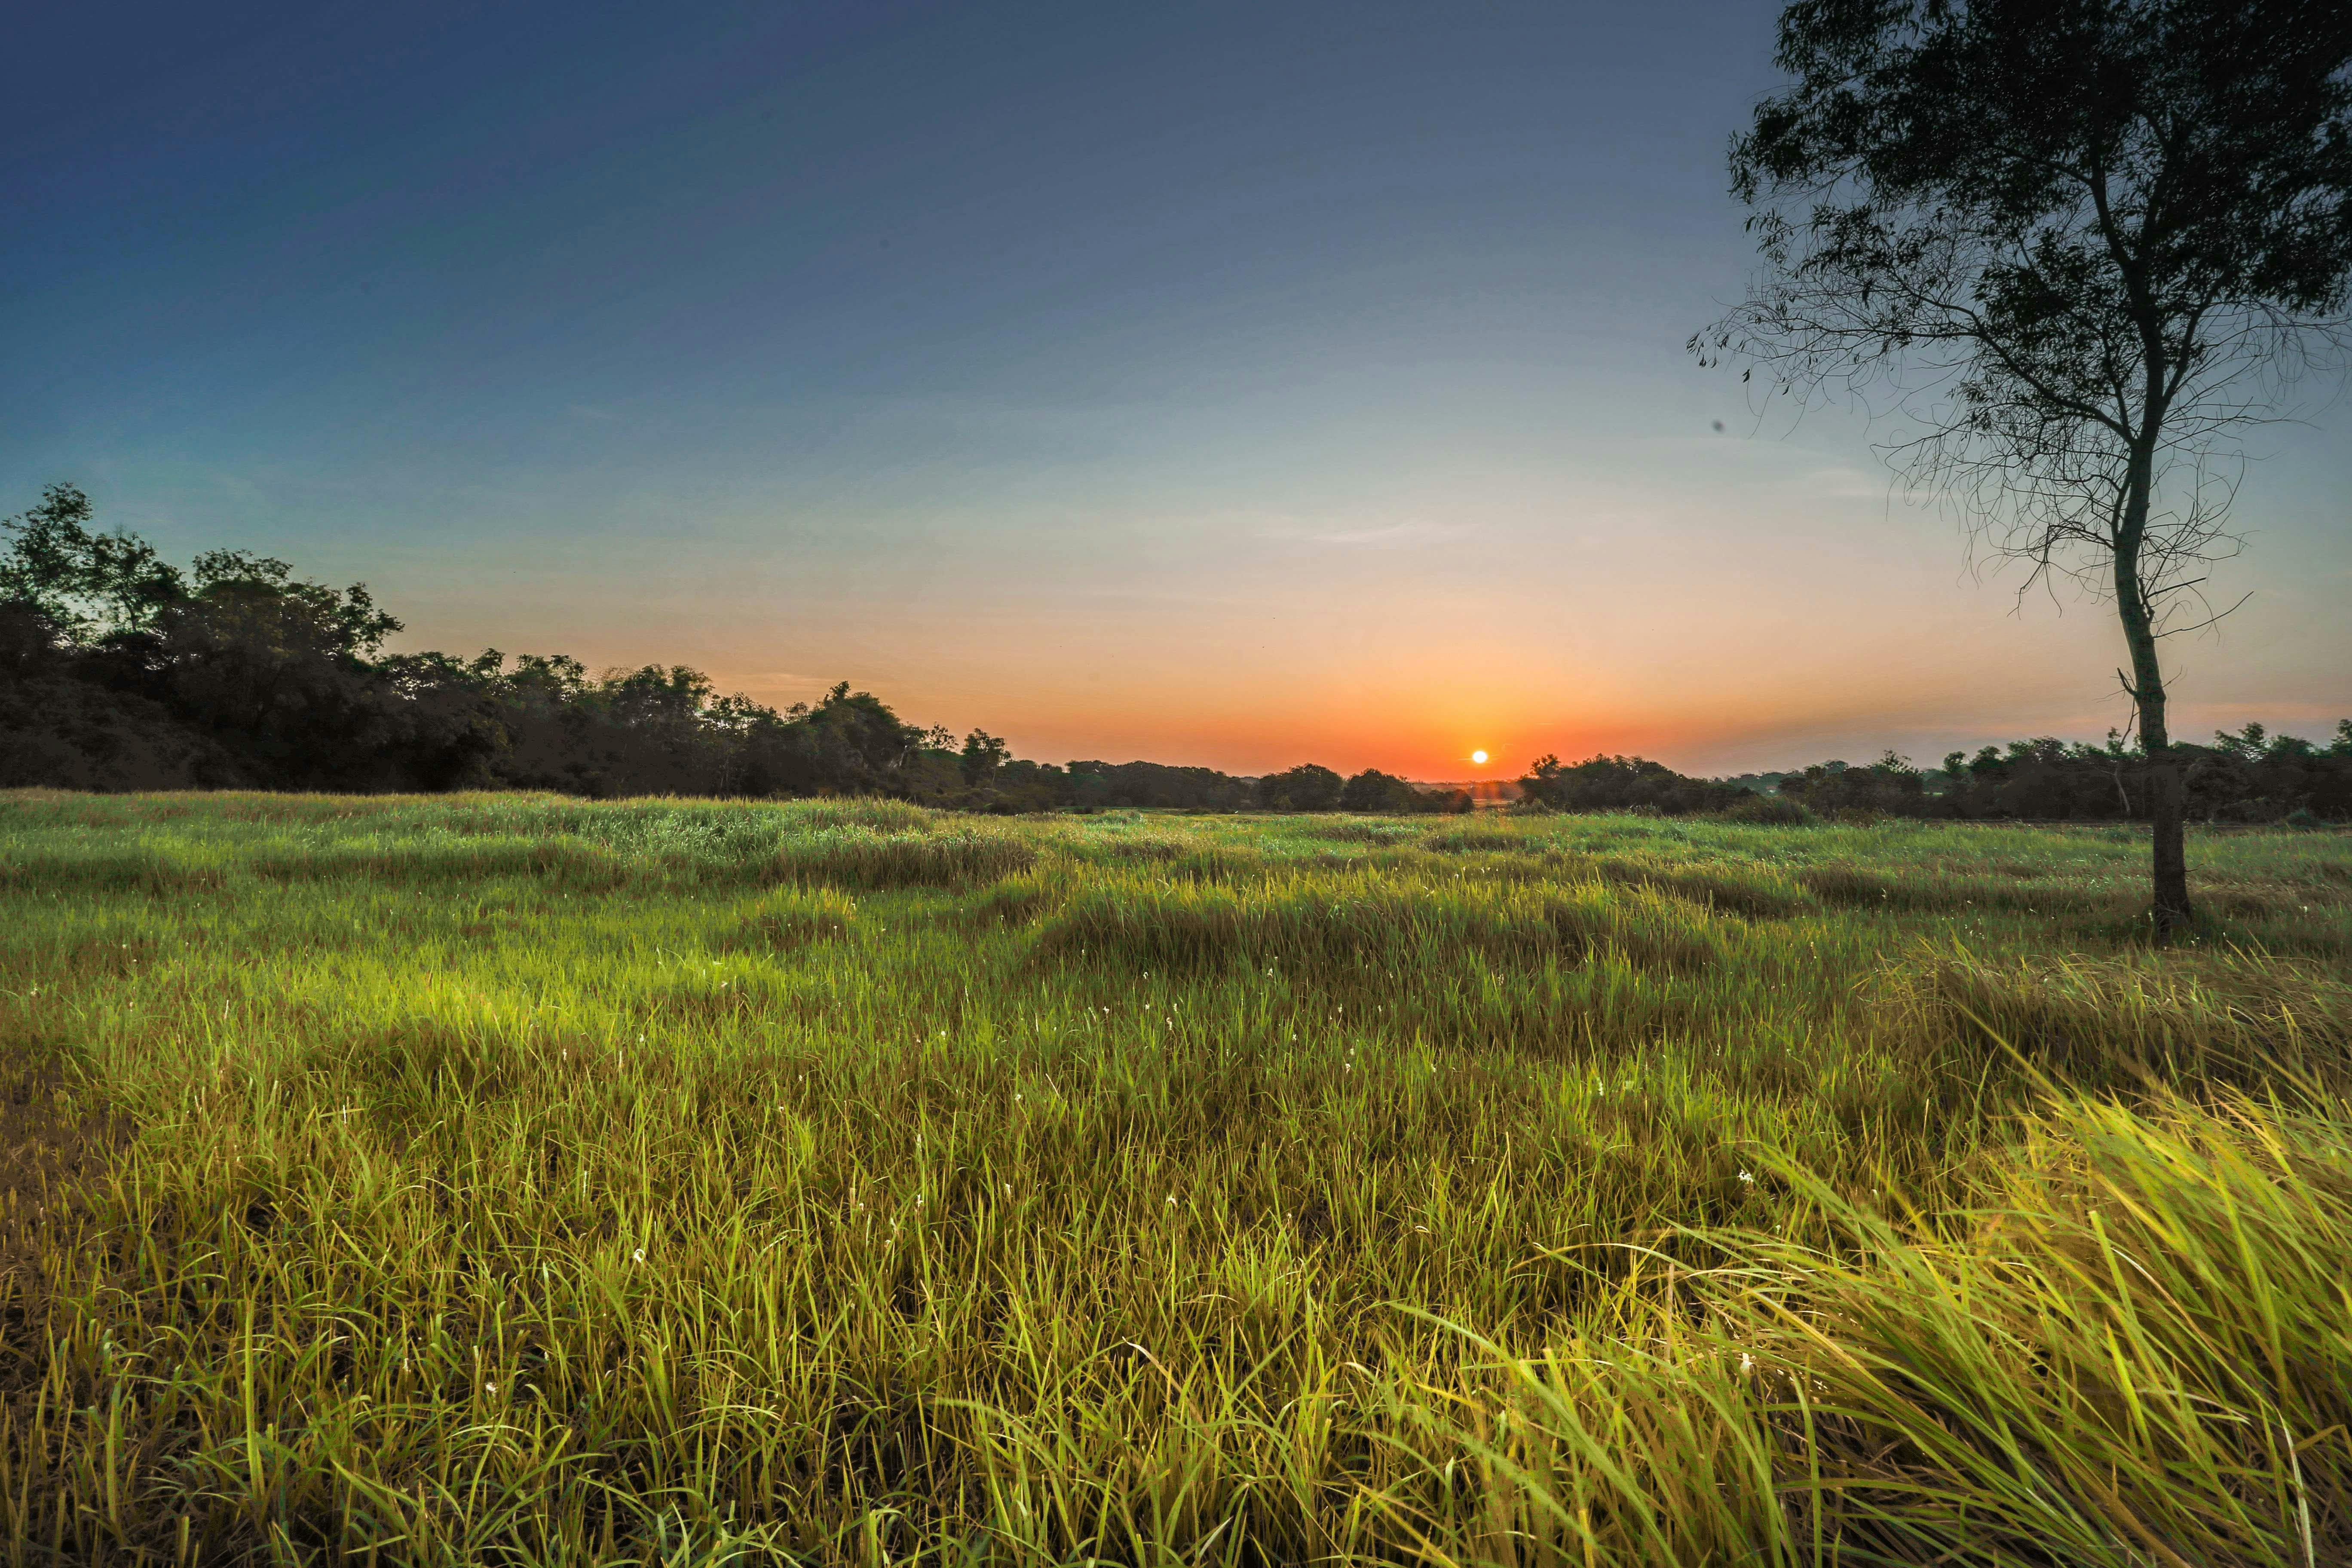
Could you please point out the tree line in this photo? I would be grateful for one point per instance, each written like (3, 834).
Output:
(2250, 777)
(120, 670)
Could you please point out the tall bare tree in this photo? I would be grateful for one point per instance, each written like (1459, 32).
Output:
(2081, 245)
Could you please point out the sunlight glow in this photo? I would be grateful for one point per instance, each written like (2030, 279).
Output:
(1479, 758)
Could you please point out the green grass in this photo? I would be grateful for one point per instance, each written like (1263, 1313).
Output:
(509, 1179)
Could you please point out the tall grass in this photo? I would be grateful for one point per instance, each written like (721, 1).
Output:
(497, 1179)
(2124, 1343)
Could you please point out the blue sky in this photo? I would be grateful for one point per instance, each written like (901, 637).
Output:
(1232, 384)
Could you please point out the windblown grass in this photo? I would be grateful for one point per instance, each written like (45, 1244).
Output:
(2121, 1343)
(1330, 923)
(509, 1179)
(860, 858)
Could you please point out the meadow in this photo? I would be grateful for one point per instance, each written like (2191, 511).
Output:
(506, 1178)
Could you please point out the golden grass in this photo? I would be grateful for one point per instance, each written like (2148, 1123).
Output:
(511, 1178)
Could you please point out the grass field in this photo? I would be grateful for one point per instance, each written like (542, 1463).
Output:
(501, 1179)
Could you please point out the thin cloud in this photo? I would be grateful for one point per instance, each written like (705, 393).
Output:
(1164, 595)
(1393, 536)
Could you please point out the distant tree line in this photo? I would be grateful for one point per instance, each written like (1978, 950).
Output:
(1626, 784)
(120, 670)
(2249, 776)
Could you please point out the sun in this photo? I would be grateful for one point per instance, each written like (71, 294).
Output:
(1479, 758)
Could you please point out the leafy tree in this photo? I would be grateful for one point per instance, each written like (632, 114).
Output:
(86, 584)
(276, 667)
(350, 619)
(1623, 784)
(982, 754)
(450, 732)
(1890, 785)
(857, 737)
(2084, 242)
(1306, 787)
(1374, 790)
(1099, 783)
(1023, 785)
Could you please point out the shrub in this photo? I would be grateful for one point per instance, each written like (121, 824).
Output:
(1771, 811)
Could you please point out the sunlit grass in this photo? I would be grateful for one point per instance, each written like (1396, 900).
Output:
(505, 1178)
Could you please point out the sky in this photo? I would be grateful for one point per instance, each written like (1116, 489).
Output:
(1235, 385)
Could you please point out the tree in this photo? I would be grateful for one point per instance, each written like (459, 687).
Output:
(86, 585)
(276, 667)
(982, 754)
(2083, 244)
(1376, 792)
(1624, 784)
(1309, 786)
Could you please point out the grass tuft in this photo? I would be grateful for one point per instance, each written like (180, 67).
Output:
(861, 857)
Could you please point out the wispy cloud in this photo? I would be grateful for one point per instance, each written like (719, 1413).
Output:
(1846, 483)
(1164, 595)
(590, 411)
(1389, 536)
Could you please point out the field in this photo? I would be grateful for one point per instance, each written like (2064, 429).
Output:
(503, 1179)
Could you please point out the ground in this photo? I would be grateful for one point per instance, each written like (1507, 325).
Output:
(511, 1178)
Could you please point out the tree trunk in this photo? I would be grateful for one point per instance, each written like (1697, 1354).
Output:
(2167, 810)
(2169, 910)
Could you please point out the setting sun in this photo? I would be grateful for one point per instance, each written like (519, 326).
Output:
(1479, 758)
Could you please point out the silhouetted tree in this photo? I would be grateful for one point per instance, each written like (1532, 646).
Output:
(1623, 784)
(86, 584)
(276, 668)
(2084, 241)
(1890, 787)
(1374, 790)
(1022, 785)
(1100, 784)
(1306, 787)
(982, 754)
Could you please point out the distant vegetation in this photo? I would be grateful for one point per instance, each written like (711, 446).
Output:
(2249, 776)
(120, 671)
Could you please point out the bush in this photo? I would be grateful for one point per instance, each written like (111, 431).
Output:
(1771, 811)
(1624, 784)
